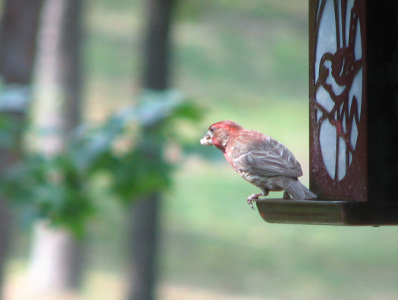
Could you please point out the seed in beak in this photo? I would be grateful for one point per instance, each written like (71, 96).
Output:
(206, 140)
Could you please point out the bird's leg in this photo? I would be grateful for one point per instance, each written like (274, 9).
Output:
(286, 196)
(255, 196)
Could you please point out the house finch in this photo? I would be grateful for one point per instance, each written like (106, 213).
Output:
(259, 159)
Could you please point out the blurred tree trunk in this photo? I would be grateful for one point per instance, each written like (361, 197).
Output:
(145, 213)
(18, 30)
(56, 261)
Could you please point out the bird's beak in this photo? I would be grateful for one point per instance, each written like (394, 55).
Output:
(207, 139)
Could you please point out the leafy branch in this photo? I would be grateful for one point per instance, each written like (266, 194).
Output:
(127, 148)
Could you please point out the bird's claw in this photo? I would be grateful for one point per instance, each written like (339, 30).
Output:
(250, 202)
(252, 198)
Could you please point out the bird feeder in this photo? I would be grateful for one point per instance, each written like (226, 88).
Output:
(353, 64)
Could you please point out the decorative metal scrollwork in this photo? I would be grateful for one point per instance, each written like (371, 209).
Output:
(338, 82)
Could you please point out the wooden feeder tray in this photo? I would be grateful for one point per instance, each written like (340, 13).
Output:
(328, 212)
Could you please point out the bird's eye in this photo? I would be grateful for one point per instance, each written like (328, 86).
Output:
(211, 129)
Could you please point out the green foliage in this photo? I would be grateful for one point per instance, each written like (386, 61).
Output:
(9, 128)
(127, 149)
(52, 188)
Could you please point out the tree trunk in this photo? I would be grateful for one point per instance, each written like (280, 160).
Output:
(18, 40)
(4, 238)
(145, 213)
(18, 30)
(54, 266)
(56, 261)
(144, 244)
(157, 45)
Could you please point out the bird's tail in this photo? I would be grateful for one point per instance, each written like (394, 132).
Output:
(298, 191)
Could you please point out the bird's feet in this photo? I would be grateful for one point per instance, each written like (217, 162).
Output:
(252, 198)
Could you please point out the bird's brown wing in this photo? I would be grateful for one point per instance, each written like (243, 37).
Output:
(268, 158)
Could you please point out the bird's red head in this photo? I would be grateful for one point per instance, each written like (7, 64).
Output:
(219, 134)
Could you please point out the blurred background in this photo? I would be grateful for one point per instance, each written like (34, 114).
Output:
(245, 61)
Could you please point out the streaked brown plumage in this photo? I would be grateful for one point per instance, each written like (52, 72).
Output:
(259, 159)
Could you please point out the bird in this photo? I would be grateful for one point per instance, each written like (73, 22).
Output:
(259, 159)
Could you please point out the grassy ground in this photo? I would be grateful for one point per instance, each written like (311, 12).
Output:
(244, 61)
